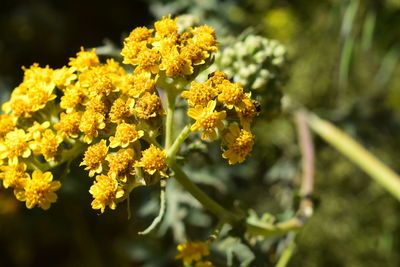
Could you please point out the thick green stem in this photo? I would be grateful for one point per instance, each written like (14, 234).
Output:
(196, 192)
(357, 154)
(169, 134)
(178, 141)
(253, 228)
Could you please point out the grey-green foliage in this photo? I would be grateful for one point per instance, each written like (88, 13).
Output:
(256, 62)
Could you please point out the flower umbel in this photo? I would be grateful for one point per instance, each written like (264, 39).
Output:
(39, 191)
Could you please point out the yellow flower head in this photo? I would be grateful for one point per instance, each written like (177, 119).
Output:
(153, 160)
(166, 27)
(98, 104)
(7, 124)
(72, 98)
(192, 251)
(124, 135)
(94, 157)
(91, 122)
(121, 164)
(207, 119)
(15, 145)
(100, 85)
(139, 34)
(147, 61)
(175, 64)
(47, 145)
(120, 111)
(204, 36)
(200, 94)
(14, 176)
(39, 191)
(35, 74)
(84, 60)
(148, 106)
(40, 95)
(37, 129)
(231, 94)
(68, 125)
(18, 105)
(105, 192)
(247, 111)
(216, 78)
(64, 76)
(240, 143)
(140, 83)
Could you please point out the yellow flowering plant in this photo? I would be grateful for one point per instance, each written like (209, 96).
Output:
(121, 124)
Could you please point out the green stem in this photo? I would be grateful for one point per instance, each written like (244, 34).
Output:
(178, 141)
(253, 228)
(357, 154)
(287, 253)
(196, 192)
(171, 96)
(268, 230)
(66, 155)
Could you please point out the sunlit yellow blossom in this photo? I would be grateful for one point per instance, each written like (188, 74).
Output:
(192, 251)
(72, 98)
(200, 94)
(121, 164)
(148, 106)
(139, 34)
(15, 145)
(147, 61)
(231, 94)
(131, 50)
(247, 111)
(105, 192)
(207, 120)
(153, 160)
(68, 125)
(175, 64)
(18, 105)
(39, 191)
(36, 74)
(166, 27)
(37, 129)
(14, 176)
(195, 53)
(40, 95)
(48, 145)
(204, 36)
(91, 123)
(120, 111)
(217, 77)
(140, 83)
(98, 104)
(240, 143)
(124, 135)
(204, 264)
(64, 76)
(7, 124)
(84, 59)
(94, 157)
(100, 85)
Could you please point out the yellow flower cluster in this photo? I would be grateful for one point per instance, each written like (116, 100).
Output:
(215, 100)
(167, 52)
(193, 252)
(55, 112)
(114, 118)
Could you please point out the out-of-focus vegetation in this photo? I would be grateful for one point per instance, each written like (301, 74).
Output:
(342, 63)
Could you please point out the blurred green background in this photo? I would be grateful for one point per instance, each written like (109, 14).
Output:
(343, 64)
